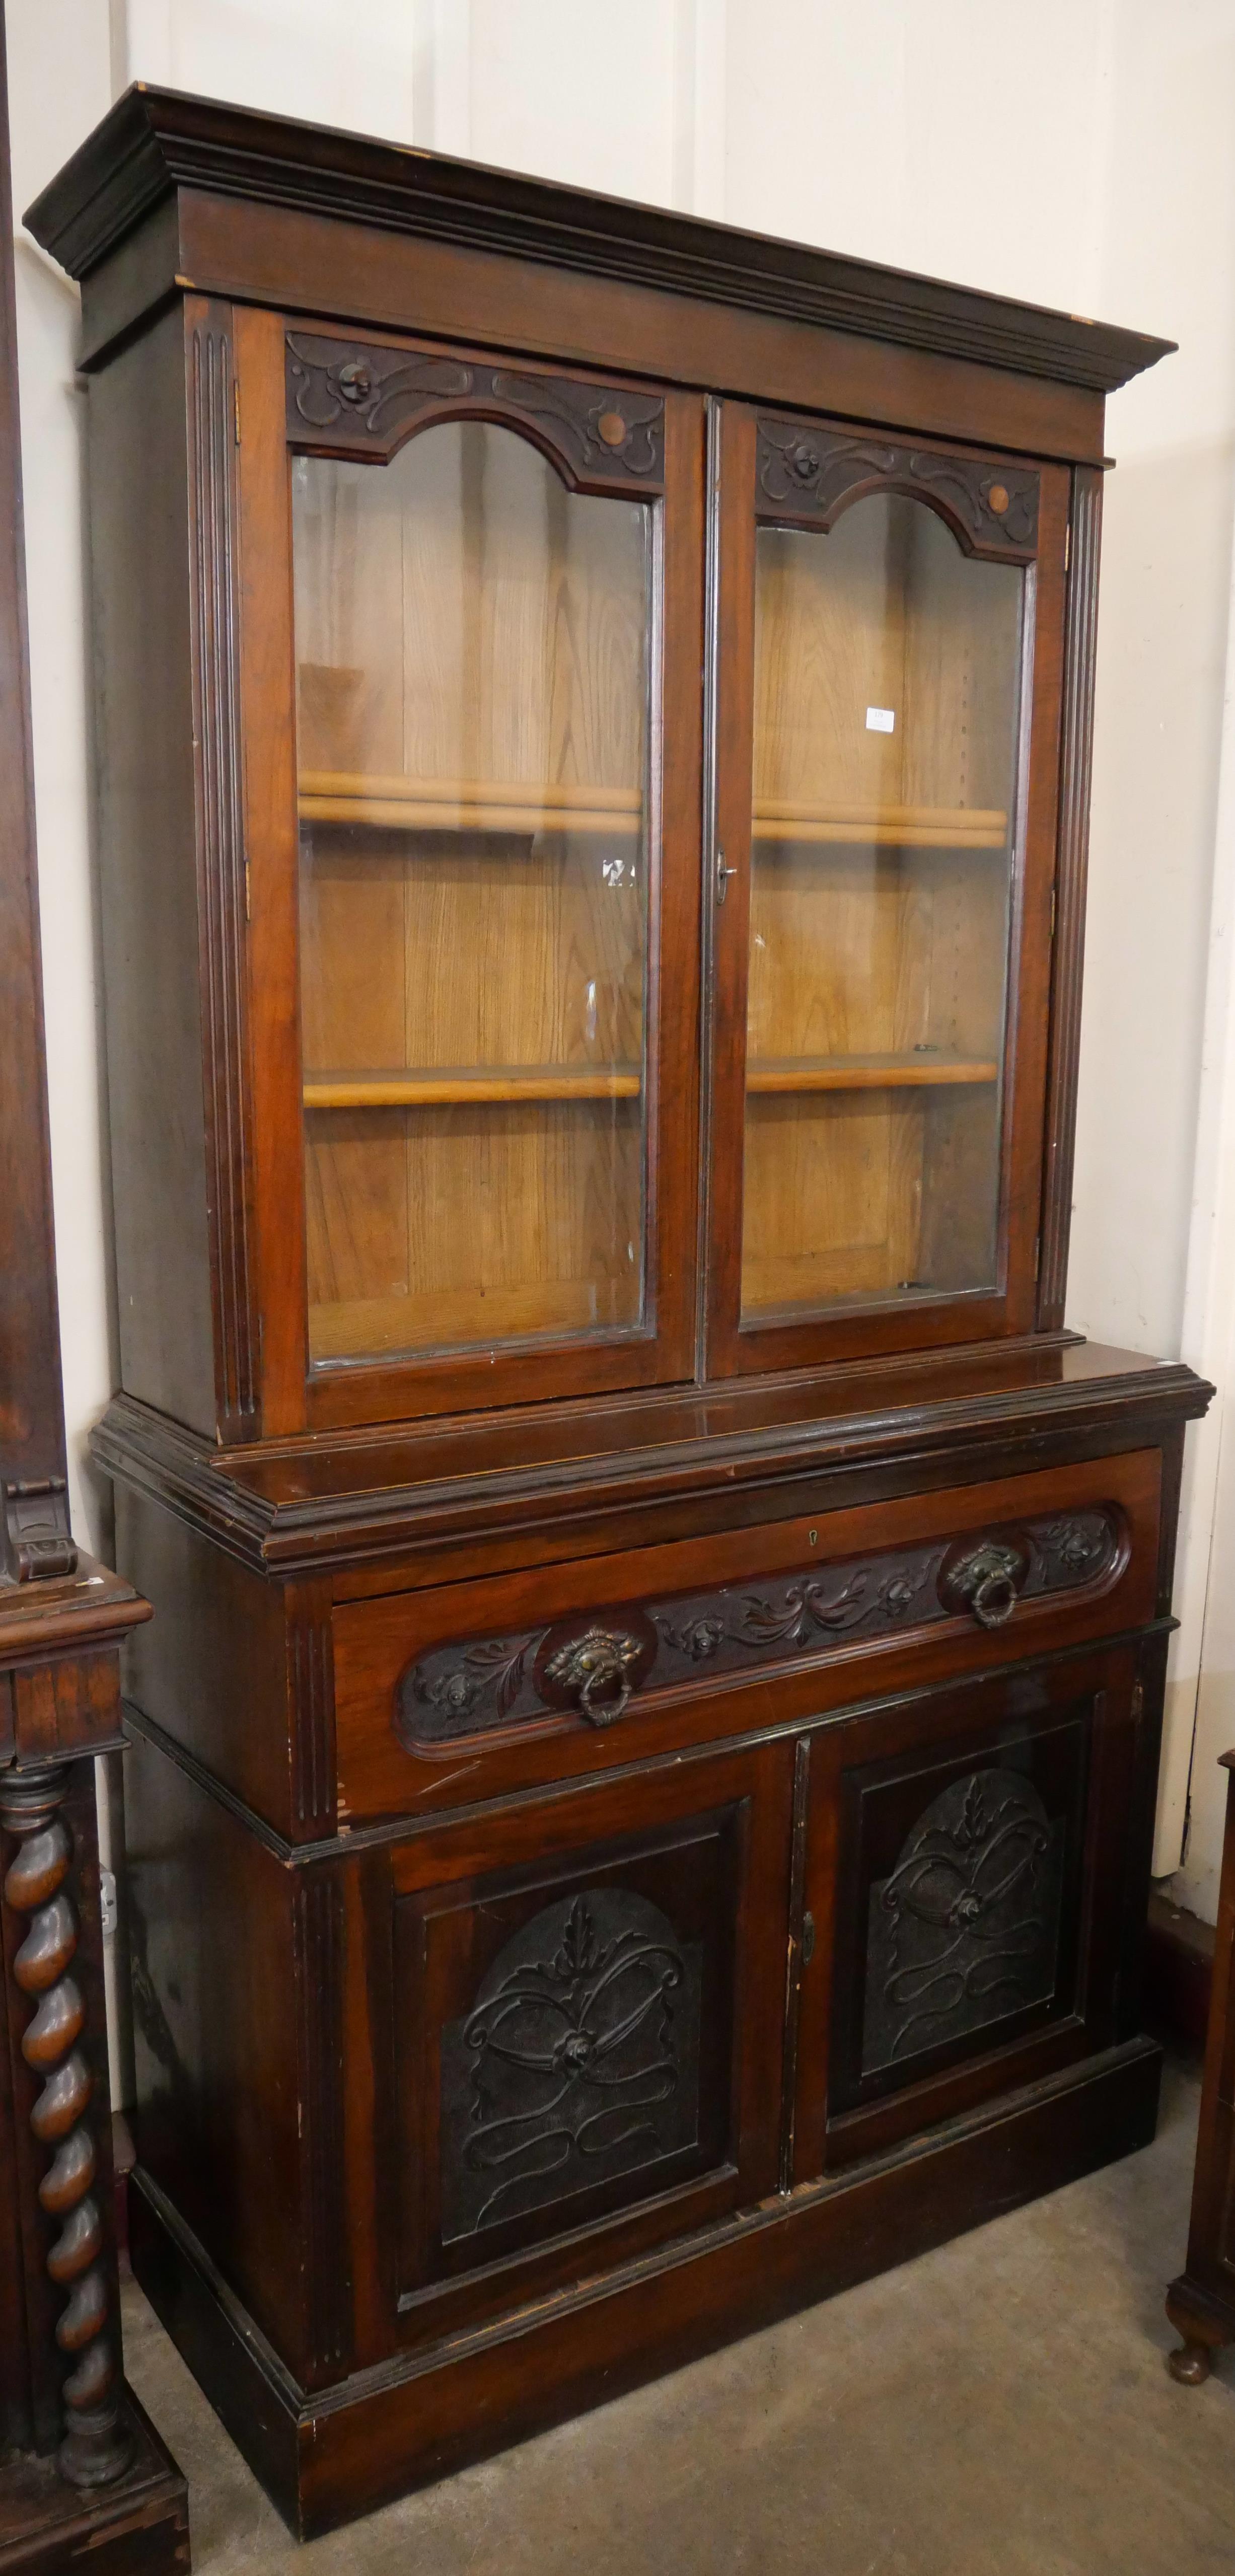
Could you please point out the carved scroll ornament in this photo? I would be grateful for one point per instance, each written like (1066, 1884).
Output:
(806, 472)
(578, 2061)
(362, 399)
(965, 1929)
(471, 1685)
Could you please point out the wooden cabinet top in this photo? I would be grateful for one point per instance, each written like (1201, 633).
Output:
(156, 143)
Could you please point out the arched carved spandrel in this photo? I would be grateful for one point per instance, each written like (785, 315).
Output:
(97, 2444)
(809, 474)
(363, 399)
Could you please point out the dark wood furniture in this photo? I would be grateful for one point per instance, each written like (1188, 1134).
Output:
(1201, 2303)
(642, 1775)
(84, 2479)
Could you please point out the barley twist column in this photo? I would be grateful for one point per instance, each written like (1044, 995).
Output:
(97, 2444)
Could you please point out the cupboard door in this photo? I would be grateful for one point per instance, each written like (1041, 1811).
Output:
(588, 2011)
(887, 684)
(964, 1875)
(494, 612)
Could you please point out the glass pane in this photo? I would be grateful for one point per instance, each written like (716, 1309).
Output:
(886, 688)
(471, 643)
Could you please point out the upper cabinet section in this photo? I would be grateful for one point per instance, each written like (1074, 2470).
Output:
(593, 726)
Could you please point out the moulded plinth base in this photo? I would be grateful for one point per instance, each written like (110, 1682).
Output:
(329, 2454)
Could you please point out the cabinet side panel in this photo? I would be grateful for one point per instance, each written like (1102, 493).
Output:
(214, 1965)
(211, 1667)
(139, 554)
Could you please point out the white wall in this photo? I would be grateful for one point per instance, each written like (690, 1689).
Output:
(1081, 156)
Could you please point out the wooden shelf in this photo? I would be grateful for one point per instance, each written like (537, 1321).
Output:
(454, 1318)
(433, 1089)
(903, 827)
(486, 805)
(466, 805)
(866, 1072)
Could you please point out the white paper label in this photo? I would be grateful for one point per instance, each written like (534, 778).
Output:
(880, 720)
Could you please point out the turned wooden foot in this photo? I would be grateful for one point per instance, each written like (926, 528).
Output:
(1203, 2324)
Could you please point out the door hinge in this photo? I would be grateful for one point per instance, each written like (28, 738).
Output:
(248, 892)
(236, 408)
(808, 1939)
(1067, 546)
(1037, 1255)
(723, 875)
(1052, 912)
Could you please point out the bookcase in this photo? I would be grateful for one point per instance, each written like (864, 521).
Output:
(641, 1774)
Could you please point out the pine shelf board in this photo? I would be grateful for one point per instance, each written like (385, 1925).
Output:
(429, 1089)
(866, 1072)
(466, 804)
(450, 1318)
(512, 806)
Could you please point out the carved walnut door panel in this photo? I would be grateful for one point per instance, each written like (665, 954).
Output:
(963, 1884)
(588, 2028)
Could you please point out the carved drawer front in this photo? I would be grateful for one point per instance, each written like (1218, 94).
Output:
(569, 2044)
(966, 1948)
(570, 1666)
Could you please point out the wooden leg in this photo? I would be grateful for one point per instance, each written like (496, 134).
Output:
(97, 2444)
(1191, 2364)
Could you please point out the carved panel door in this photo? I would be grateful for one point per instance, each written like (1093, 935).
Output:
(487, 586)
(886, 684)
(588, 2013)
(964, 1887)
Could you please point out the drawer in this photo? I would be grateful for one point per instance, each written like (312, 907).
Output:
(472, 1690)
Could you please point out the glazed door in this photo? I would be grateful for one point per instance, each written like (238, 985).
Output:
(971, 1920)
(886, 687)
(494, 618)
(587, 2017)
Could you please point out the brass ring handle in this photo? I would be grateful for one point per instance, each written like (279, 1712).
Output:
(609, 1710)
(588, 1665)
(994, 1600)
(988, 1582)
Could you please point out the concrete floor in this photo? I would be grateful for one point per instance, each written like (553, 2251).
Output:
(999, 2408)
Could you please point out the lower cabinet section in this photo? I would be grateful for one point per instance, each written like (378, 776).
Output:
(567, 2089)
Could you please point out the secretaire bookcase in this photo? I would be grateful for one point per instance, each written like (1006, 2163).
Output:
(642, 1769)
